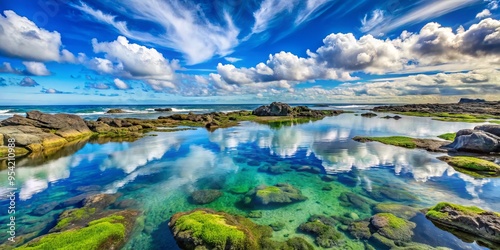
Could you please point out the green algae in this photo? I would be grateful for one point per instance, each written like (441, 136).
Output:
(448, 136)
(451, 117)
(469, 210)
(73, 215)
(99, 234)
(472, 166)
(400, 141)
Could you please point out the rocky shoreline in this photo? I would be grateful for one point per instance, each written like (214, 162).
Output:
(488, 108)
(44, 134)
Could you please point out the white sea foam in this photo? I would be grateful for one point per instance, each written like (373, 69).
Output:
(351, 106)
(3, 111)
(189, 110)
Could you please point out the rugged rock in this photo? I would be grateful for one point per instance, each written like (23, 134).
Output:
(360, 230)
(205, 196)
(468, 100)
(399, 210)
(323, 229)
(281, 193)
(489, 128)
(109, 230)
(208, 229)
(471, 220)
(115, 111)
(100, 201)
(348, 199)
(478, 141)
(44, 208)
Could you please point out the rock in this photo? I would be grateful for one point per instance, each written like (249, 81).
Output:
(277, 226)
(255, 214)
(473, 166)
(360, 230)
(395, 193)
(327, 188)
(75, 200)
(163, 109)
(100, 201)
(125, 204)
(275, 109)
(399, 210)
(59, 121)
(392, 227)
(44, 208)
(329, 178)
(115, 111)
(281, 193)
(471, 220)
(324, 232)
(208, 229)
(478, 141)
(205, 196)
(476, 108)
(468, 100)
(464, 132)
(348, 199)
(275, 169)
(489, 128)
(396, 117)
(104, 231)
(369, 115)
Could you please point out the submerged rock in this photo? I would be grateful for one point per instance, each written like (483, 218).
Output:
(277, 226)
(348, 199)
(395, 193)
(323, 229)
(208, 229)
(471, 220)
(44, 208)
(399, 210)
(205, 196)
(281, 193)
(106, 231)
(360, 230)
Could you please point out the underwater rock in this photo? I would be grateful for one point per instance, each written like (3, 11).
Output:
(369, 115)
(115, 111)
(281, 193)
(295, 243)
(323, 229)
(107, 231)
(472, 220)
(277, 226)
(348, 180)
(255, 214)
(208, 229)
(329, 178)
(308, 169)
(360, 230)
(399, 210)
(100, 201)
(327, 188)
(44, 208)
(275, 169)
(253, 163)
(75, 200)
(124, 204)
(205, 196)
(348, 199)
(392, 227)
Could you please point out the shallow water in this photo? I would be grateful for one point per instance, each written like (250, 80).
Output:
(160, 171)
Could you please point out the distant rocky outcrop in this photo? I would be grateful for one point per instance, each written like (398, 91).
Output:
(468, 100)
(283, 109)
(482, 139)
(490, 108)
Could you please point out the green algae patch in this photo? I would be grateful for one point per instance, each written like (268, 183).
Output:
(212, 229)
(99, 234)
(448, 136)
(472, 166)
(323, 229)
(393, 227)
(400, 141)
(279, 194)
(70, 216)
(472, 210)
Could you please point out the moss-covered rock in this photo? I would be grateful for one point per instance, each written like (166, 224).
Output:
(255, 214)
(277, 226)
(399, 210)
(323, 229)
(295, 243)
(448, 136)
(281, 193)
(109, 232)
(471, 220)
(360, 230)
(406, 142)
(205, 196)
(392, 227)
(208, 229)
(395, 193)
(473, 166)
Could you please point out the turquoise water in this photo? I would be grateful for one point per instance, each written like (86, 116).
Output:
(159, 172)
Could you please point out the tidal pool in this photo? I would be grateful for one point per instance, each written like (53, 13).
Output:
(159, 172)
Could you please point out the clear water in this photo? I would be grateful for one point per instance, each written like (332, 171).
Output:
(160, 171)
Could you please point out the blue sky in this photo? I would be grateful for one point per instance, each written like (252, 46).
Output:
(237, 51)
